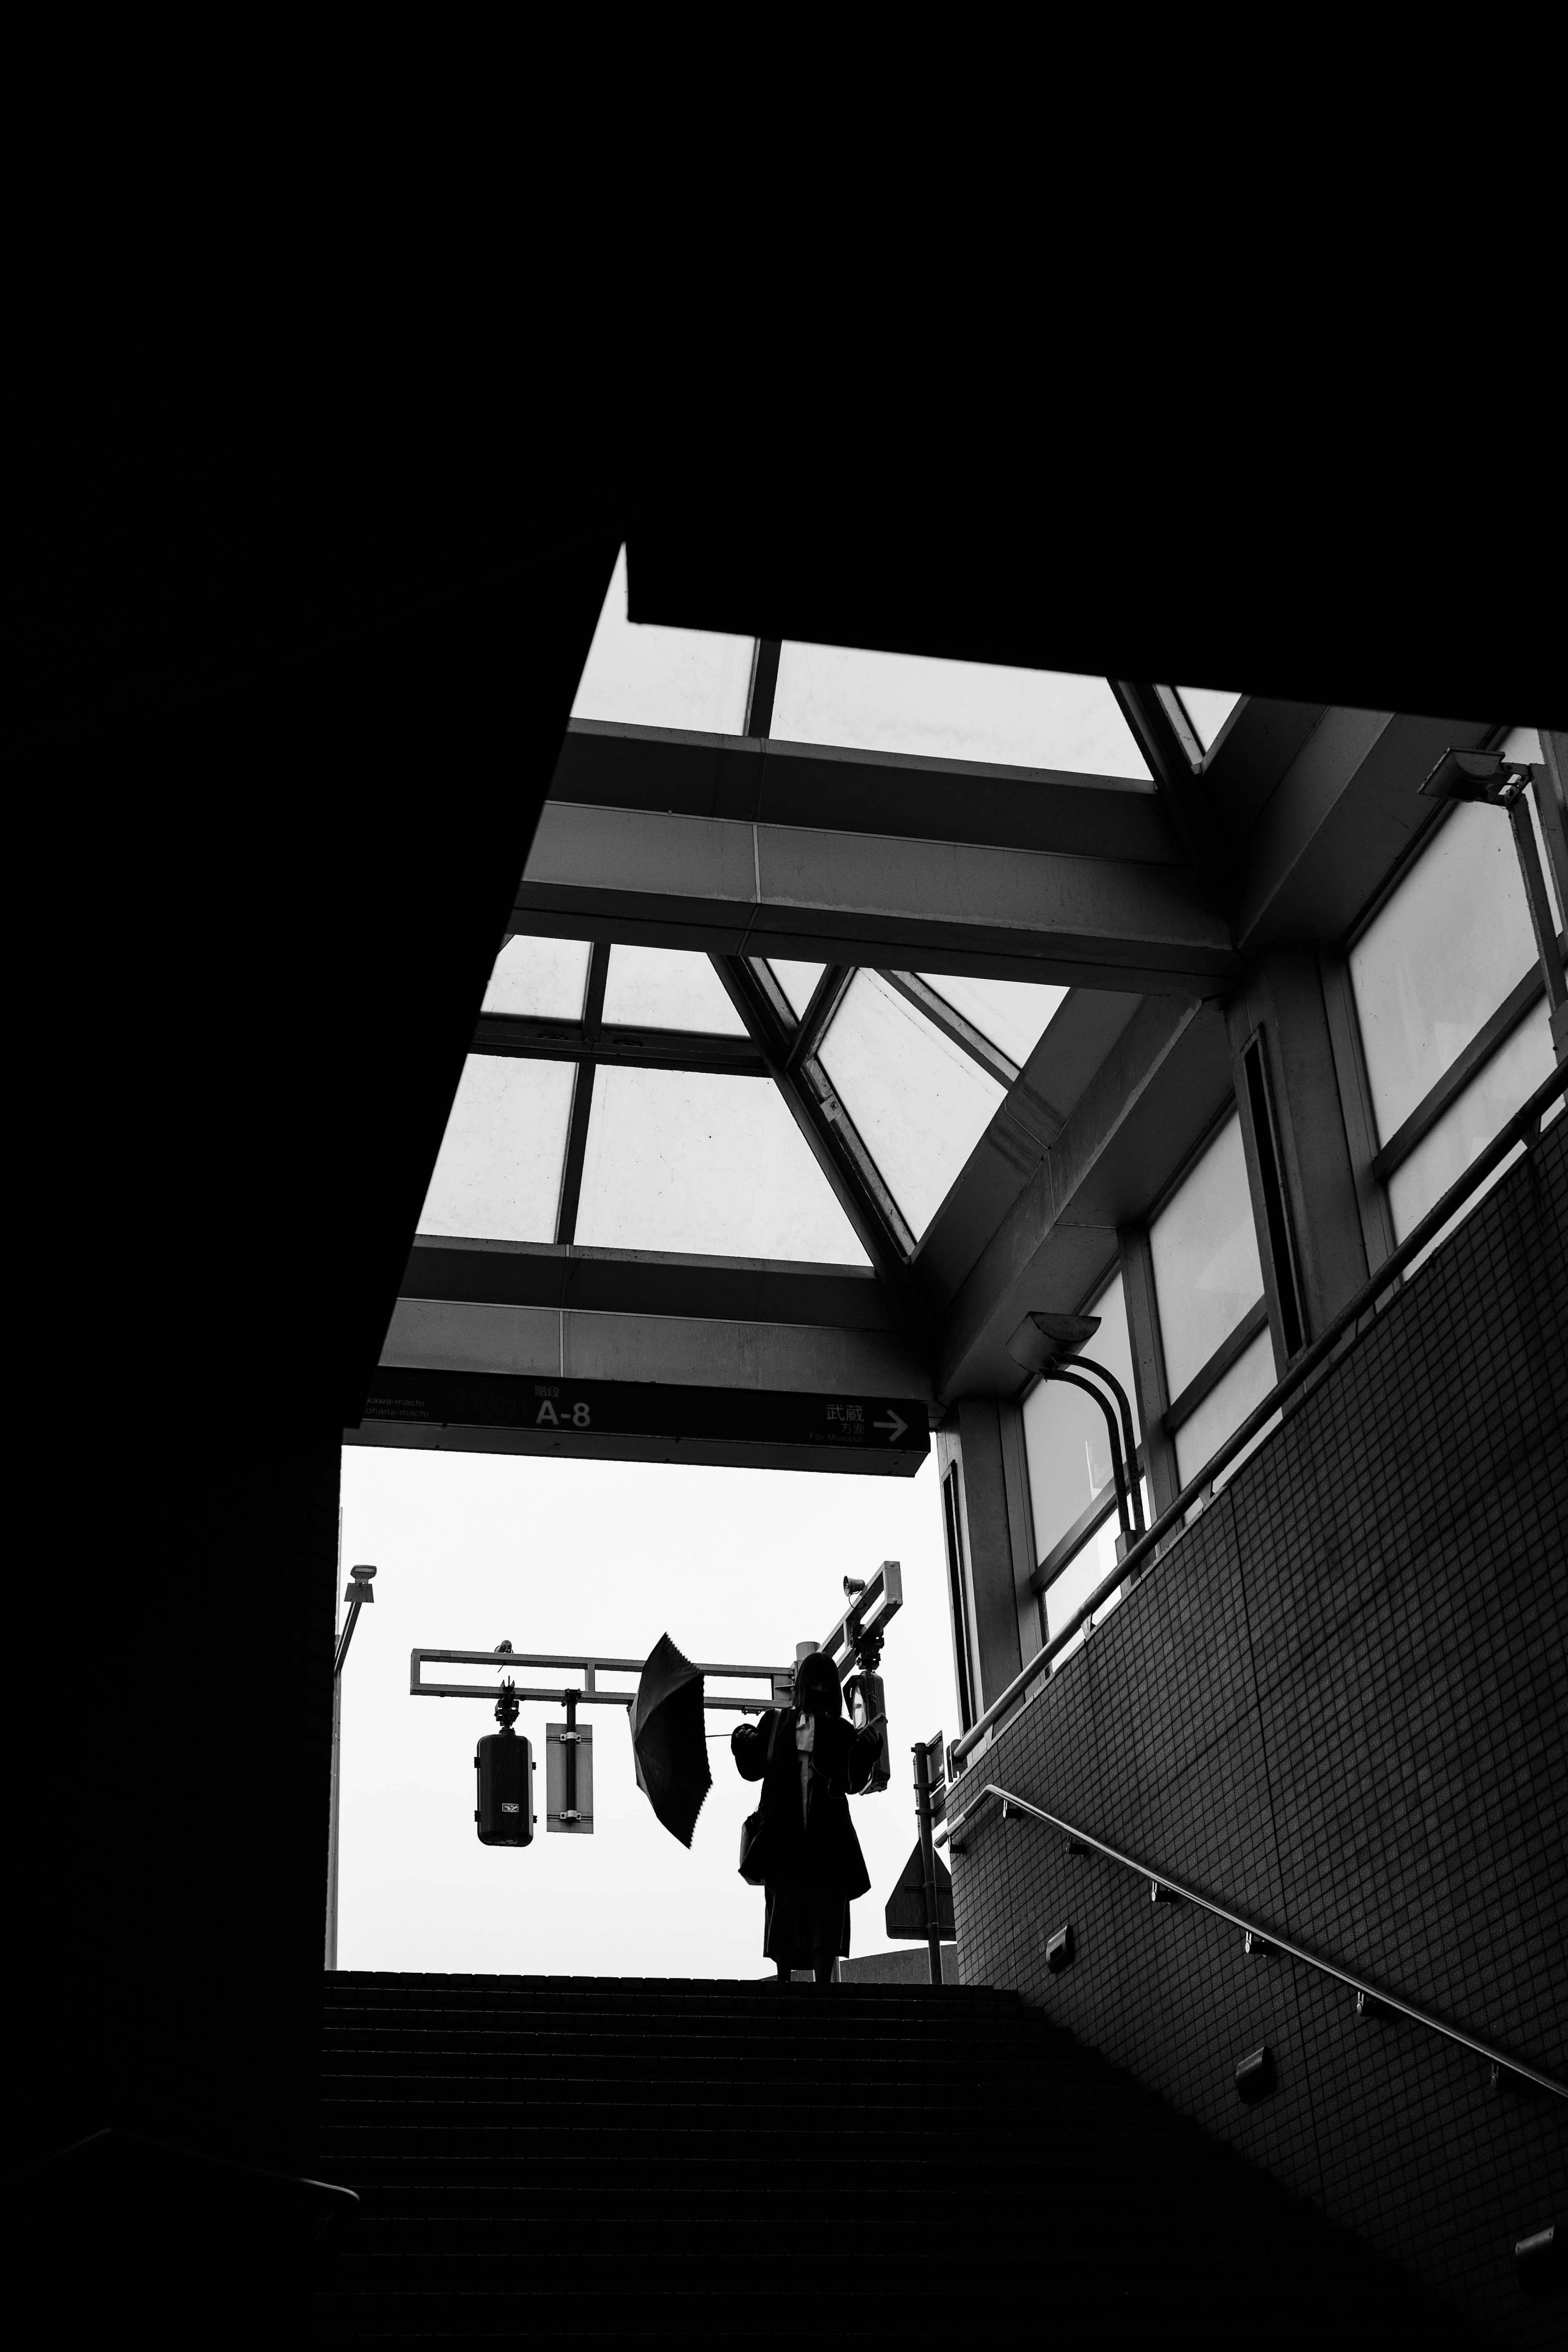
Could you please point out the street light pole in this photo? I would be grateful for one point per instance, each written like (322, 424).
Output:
(357, 1595)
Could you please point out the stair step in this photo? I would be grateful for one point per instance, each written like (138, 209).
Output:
(584, 2161)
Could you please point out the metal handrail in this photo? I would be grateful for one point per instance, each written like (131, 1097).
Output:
(1264, 1935)
(1519, 1130)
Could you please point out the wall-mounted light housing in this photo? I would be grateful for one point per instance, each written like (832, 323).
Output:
(1255, 2077)
(1504, 783)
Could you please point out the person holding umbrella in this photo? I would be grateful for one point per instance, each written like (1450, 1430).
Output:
(809, 1760)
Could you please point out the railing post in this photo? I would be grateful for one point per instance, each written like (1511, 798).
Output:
(928, 1859)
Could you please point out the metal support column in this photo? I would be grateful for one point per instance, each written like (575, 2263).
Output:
(357, 1595)
(928, 1859)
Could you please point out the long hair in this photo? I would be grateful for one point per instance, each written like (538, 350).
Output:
(816, 1688)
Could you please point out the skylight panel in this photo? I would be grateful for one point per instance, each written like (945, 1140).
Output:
(1013, 1014)
(953, 710)
(498, 1174)
(799, 982)
(919, 1102)
(1209, 709)
(546, 978)
(681, 1160)
(668, 987)
(641, 675)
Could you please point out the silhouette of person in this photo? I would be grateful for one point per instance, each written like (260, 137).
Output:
(809, 1760)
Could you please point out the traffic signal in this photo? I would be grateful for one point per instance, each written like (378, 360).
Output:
(505, 1764)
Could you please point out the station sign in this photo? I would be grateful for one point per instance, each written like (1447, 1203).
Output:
(646, 1421)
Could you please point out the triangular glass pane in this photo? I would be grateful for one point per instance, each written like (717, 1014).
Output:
(1013, 1014)
(688, 1160)
(799, 982)
(668, 987)
(547, 978)
(1209, 709)
(953, 710)
(647, 676)
(919, 1102)
(498, 1174)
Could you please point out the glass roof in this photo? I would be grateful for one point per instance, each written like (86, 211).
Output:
(797, 981)
(546, 978)
(1207, 708)
(919, 1102)
(953, 710)
(713, 1162)
(1013, 1014)
(686, 1161)
(498, 1175)
(649, 676)
(668, 987)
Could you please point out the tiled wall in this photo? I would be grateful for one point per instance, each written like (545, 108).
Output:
(1337, 1704)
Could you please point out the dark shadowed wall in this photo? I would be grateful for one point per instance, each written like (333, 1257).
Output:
(1337, 1704)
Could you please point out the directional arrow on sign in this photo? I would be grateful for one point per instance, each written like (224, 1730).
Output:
(895, 1425)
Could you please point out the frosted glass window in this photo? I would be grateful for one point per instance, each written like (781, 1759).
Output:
(1077, 1580)
(799, 982)
(1206, 1273)
(953, 710)
(498, 1174)
(1440, 958)
(1247, 1382)
(547, 978)
(643, 675)
(921, 1105)
(683, 1160)
(1013, 1014)
(1208, 709)
(1524, 743)
(1522, 1062)
(668, 987)
(1065, 1439)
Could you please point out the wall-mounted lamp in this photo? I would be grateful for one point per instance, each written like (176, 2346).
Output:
(1504, 783)
(1051, 1345)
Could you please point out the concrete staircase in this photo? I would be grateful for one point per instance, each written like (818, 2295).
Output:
(569, 2161)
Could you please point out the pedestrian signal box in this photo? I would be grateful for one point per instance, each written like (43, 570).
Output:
(868, 1700)
(569, 1778)
(505, 1764)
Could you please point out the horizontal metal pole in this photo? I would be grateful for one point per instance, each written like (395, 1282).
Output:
(503, 1660)
(1271, 1936)
(551, 1694)
(1518, 1130)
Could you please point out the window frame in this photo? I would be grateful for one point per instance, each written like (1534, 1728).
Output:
(1377, 1162)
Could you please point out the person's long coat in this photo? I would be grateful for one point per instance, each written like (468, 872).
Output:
(812, 1856)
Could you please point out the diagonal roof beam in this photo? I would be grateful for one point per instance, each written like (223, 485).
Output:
(832, 1139)
(1164, 1080)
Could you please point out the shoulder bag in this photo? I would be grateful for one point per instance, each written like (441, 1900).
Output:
(754, 1828)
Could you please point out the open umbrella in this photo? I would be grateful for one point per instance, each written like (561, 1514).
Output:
(669, 1744)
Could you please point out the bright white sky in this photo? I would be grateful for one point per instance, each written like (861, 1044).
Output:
(733, 1565)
